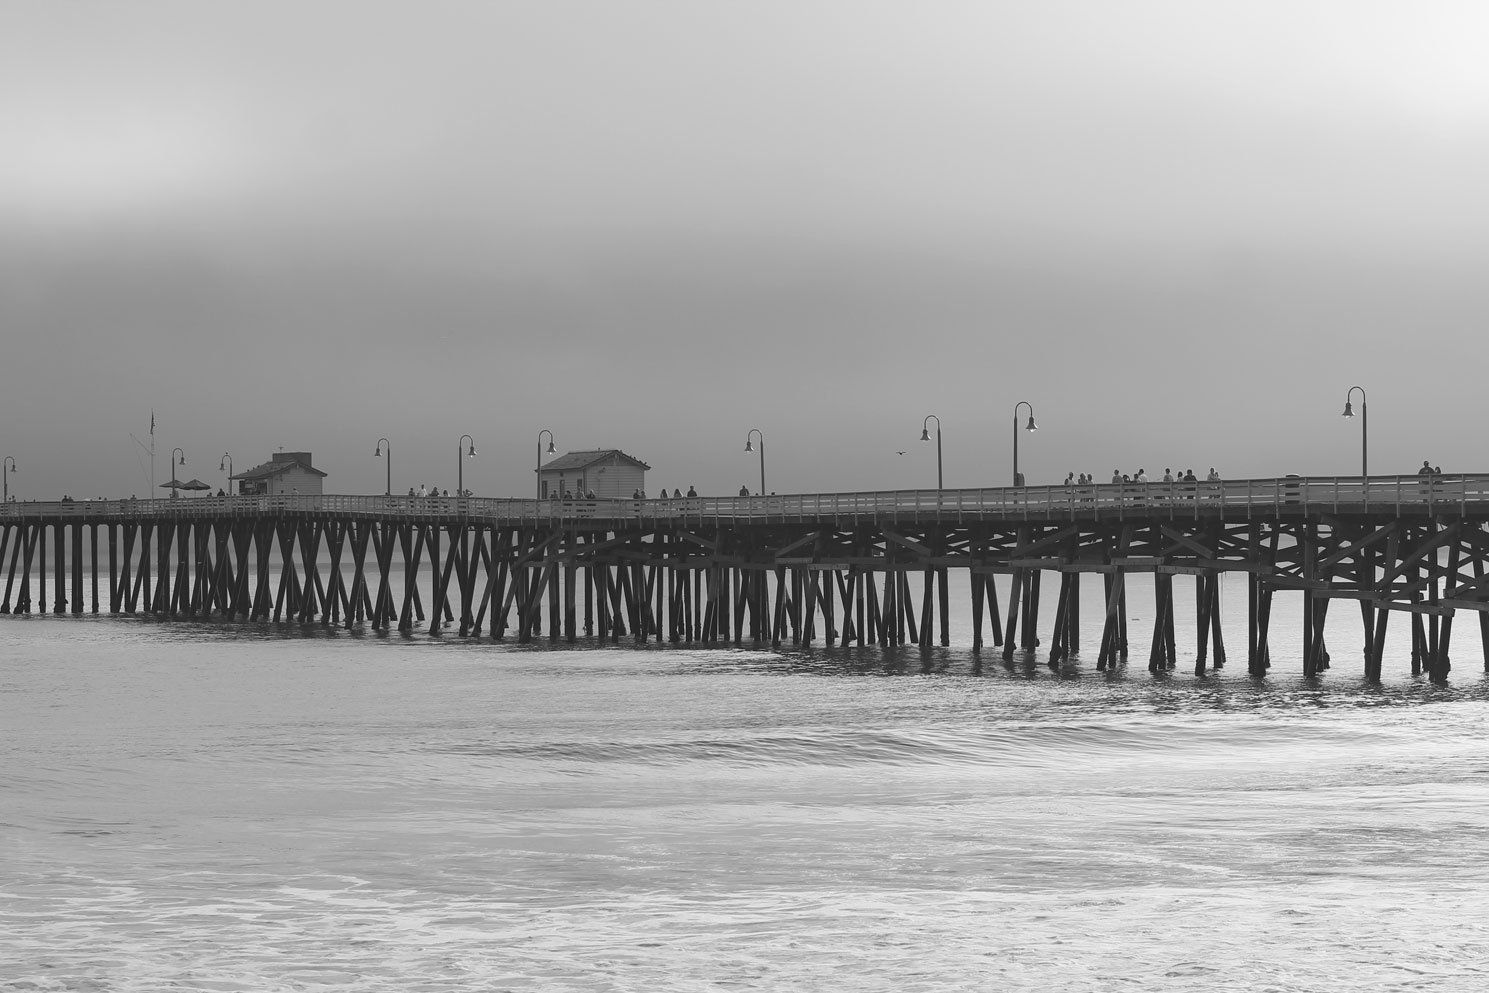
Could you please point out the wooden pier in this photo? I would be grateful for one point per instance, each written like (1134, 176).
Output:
(845, 569)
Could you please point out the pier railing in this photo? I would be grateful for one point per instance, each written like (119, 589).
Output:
(1229, 499)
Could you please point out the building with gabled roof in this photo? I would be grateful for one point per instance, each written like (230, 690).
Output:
(284, 473)
(607, 472)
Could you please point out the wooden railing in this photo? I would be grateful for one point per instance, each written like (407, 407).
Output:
(1231, 499)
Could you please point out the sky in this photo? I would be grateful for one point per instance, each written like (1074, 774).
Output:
(1181, 231)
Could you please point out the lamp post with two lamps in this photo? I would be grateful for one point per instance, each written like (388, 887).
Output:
(925, 435)
(1364, 427)
(460, 463)
(538, 481)
(1018, 480)
(749, 447)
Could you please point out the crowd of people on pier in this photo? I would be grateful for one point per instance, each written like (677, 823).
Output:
(1141, 476)
(676, 494)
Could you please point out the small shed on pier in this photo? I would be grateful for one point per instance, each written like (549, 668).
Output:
(609, 472)
(284, 473)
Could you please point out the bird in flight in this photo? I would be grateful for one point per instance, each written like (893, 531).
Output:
(899, 453)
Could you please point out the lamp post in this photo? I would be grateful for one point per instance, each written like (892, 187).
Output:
(1031, 426)
(750, 448)
(175, 452)
(383, 444)
(7, 466)
(460, 464)
(537, 480)
(1364, 427)
(925, 435)
(227, 462)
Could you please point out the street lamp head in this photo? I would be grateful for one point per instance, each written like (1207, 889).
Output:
(749, 445)
(1349, 409)
(925, 434)
(551, 449)
(183, 459)
(377, 452)
(1031, 426)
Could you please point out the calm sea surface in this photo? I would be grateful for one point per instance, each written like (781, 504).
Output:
(213, 807)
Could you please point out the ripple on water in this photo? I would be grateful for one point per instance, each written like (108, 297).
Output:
(220, 811)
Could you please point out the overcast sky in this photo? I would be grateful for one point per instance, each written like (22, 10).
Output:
(1181, 230)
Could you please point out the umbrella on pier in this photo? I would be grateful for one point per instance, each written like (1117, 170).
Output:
(174, 484)
(195, 484)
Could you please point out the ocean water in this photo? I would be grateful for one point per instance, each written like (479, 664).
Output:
(202, 806)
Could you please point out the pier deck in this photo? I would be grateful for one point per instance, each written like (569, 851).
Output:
(803, 568)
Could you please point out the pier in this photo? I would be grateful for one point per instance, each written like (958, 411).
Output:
(849, 569)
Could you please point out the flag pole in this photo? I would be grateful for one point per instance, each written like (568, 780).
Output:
(152, 454)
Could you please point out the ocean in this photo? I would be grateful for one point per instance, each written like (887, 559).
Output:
(210, 806)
